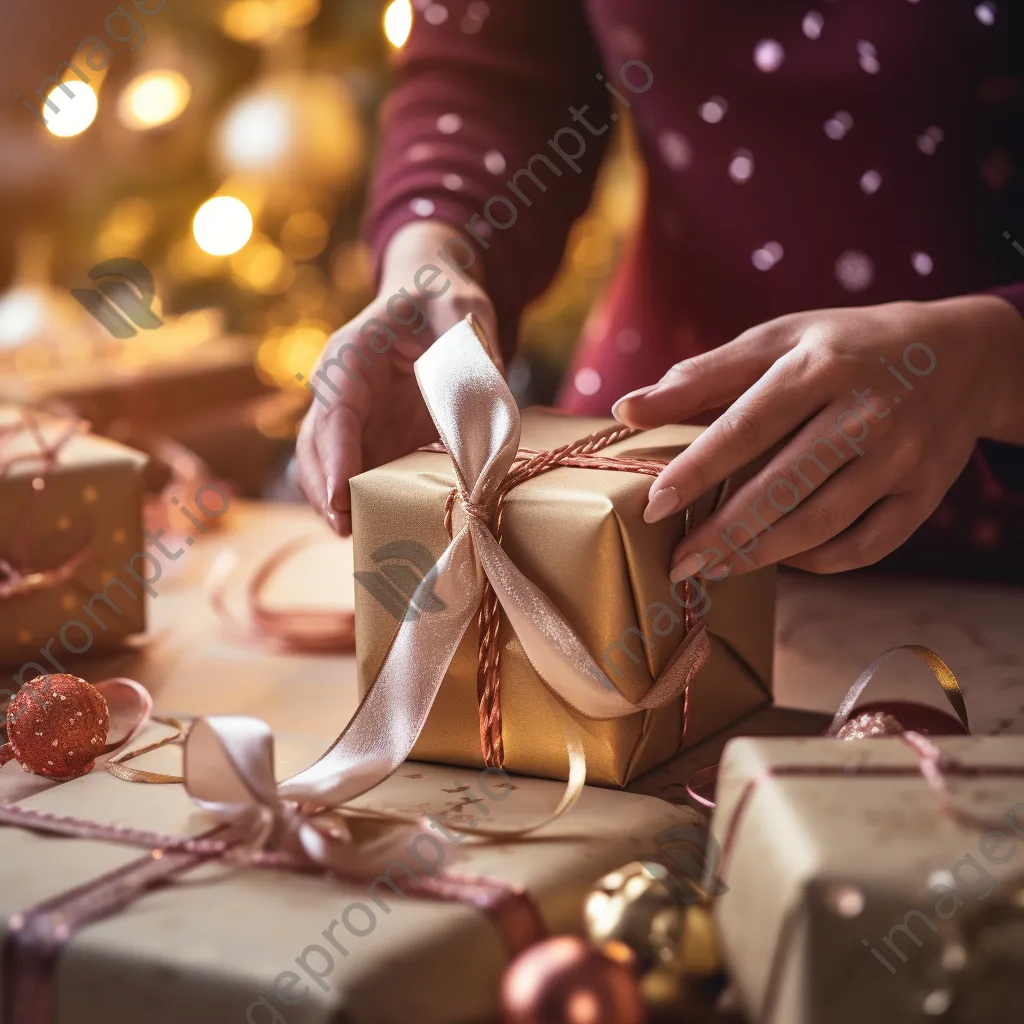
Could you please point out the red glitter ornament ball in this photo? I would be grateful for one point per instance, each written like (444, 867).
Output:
(565, 981)
(57, 725)
(920, 718)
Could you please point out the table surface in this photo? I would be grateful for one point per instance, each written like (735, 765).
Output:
(828, 629)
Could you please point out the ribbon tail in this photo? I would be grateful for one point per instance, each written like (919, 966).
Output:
(572, 676)
(389, 720)
(557, 654)
(942, 672)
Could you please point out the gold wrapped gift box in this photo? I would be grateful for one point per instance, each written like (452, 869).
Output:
(235, 945)
(851, 897)
(579, 535)
(68, 528)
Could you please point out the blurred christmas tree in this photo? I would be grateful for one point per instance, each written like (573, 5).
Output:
(229, 155)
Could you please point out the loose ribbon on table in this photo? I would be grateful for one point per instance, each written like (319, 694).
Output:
(317, 630)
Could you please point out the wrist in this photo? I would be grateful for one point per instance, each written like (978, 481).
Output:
(417, 247)
(994, 326)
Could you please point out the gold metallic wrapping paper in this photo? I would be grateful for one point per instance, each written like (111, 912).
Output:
(579, 535)
(92, 496)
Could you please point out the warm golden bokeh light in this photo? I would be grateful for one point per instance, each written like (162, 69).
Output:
(286, 351)
(222, 225)
(125, 228)
(304, 234)
(74, 113)
(265, 21)
(247, 21)
(398, 22)
(262, 267)
(153, 98)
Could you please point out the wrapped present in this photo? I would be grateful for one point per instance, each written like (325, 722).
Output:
(74, 566)
(874, 879)
(182, 370)
(91, 936)
(577, 568)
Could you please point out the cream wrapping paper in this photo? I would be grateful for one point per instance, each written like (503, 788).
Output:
(579, 536)
(830, 914)
(206, 949)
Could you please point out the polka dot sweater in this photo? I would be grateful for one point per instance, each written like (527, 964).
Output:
(799, 155)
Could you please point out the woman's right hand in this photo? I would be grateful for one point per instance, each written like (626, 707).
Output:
(367, 408)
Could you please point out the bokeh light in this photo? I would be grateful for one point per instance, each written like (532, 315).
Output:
(262, 267)
(74, 113)
(125, 228)
(153, 98)
(292, 349)
(304, 234)
(398, 22)
(222, 225)
(265, 21)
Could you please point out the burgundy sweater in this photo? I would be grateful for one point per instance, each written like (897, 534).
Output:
(799, 155)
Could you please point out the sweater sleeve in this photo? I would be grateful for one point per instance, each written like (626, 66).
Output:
(496, 127)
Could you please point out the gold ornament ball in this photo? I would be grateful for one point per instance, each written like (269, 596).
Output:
(300, 128)
(566, 981)
(636, 905)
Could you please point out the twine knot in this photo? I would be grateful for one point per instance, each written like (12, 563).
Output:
(581, 454)
(476, 509)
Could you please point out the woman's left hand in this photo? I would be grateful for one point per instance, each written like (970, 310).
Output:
(879, 409)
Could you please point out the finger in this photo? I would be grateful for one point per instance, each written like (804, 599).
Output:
(888, 525)
(751, 532)
(307, 464)
(707, 381)
(786, 396)
(338, 439)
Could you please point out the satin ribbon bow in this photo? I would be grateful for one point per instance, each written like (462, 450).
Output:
(229, 773)
(228, 759)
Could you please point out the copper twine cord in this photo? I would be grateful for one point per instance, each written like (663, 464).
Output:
(529, 463)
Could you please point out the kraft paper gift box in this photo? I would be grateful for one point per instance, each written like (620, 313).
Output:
(220, 946)
(579, 535)
(859, 898)
(68, 527)
(151, 385)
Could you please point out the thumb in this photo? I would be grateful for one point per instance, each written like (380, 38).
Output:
(710, 380)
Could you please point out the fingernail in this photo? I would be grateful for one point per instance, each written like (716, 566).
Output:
(330, 493)
(639, 393)
(664, 503)
(687, 566)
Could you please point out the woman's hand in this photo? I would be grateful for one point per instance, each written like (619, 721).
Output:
(878, 409)
(367, 408)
